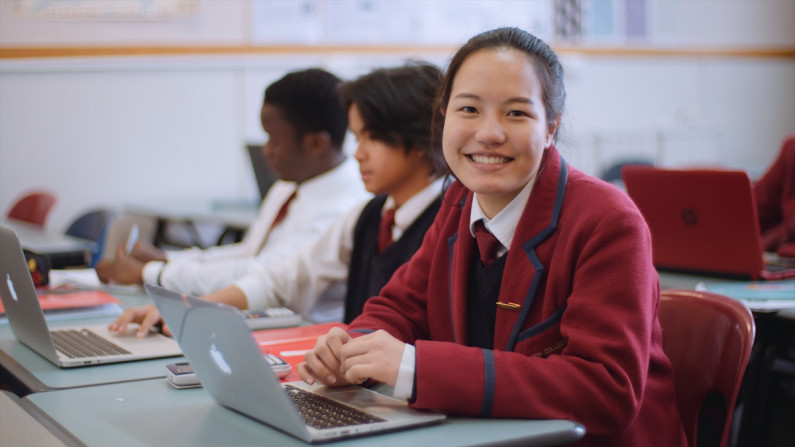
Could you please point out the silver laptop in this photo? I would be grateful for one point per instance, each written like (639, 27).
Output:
(230, 364)
(66, 346)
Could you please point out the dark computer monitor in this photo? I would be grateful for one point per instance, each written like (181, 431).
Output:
(262, 172)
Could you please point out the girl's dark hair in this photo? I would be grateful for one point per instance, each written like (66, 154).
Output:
(545, 61)
(309, 101)
(397, 107)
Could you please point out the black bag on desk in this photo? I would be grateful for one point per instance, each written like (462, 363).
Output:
(39, 266)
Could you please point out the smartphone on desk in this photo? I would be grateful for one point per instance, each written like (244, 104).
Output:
(181, 375)
(279, 366)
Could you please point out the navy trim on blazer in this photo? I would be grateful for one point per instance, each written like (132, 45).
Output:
(450, 242)
(488, 383)
(529, 248)
(544, 325)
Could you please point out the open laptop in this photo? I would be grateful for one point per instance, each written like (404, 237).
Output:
(65, 346)
(704, 221)
(230, 364)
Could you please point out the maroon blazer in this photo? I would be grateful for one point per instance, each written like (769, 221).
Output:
(775, 201)
(581, 340)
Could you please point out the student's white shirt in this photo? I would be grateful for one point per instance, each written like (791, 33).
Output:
(502, 226)
(300, 281)
(318, 203)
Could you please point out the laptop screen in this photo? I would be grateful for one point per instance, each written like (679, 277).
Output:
(701, 220)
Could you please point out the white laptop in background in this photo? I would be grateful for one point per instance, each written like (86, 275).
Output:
(65, 346)
(230, 364)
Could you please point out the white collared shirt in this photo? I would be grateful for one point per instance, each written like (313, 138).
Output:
(300, 280)
(319, 202)
(407, 213)
(503, 225)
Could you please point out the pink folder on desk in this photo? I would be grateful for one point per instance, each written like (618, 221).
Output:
(68, 297)
(703, 221)
(291, 343)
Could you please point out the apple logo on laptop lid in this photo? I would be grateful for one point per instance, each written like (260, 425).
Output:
(11, 289)
(219, 360)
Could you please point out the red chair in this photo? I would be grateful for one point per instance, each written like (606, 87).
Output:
(708, 338)
(34, 208)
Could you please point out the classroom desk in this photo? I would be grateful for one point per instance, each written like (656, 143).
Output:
(48, 242)
(152, 413)
(21, 425)
(234, 217)
(25, 371)
(675, 280)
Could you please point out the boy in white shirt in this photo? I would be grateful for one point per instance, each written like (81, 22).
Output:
(306, 126)
(390, 112)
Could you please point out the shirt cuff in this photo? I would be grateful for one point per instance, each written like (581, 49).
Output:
(404, 386)
(151, 271)
(184, 254)
(252, 290)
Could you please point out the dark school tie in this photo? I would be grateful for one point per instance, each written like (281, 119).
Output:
(488, 245)
(385, 229)
(279, 217)
(283, 210)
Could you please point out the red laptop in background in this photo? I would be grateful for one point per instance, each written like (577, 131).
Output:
(703, 221)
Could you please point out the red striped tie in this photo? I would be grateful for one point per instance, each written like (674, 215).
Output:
(385, 229)
(279, 217)
(487, 243)
(283, 210)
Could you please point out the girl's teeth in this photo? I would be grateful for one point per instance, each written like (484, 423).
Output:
(488, 159)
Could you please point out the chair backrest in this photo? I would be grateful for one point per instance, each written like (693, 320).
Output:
(708, 338)
(33, 208)
(93, 225)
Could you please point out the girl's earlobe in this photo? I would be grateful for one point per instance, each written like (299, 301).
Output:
(553, 128)
(548, 140)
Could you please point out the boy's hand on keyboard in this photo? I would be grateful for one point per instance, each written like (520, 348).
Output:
(148, 318)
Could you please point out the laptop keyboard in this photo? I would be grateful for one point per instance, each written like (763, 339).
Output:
(84, 343)
(321, 412)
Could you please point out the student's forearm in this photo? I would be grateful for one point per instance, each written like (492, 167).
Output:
(231, 295)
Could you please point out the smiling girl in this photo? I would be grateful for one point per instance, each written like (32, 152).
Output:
(563, 324)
